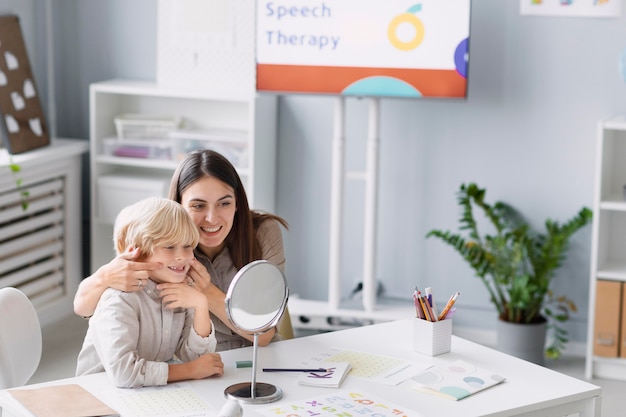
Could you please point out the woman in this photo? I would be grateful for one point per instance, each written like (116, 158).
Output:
(231, 235)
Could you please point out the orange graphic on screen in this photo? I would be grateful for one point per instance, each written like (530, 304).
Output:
(406, 19)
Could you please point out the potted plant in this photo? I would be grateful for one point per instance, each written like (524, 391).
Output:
(517, 265)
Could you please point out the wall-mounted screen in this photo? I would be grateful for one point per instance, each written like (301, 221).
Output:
(387, 48)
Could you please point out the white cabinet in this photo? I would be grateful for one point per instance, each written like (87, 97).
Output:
(120, 180)
(606, 341)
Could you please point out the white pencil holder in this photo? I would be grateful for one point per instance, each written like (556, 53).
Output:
(432, 338)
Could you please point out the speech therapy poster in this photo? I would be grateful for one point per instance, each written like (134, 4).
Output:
(363, 47)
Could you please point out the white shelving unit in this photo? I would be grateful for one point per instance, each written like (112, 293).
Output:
(608, 252)
(250, 116)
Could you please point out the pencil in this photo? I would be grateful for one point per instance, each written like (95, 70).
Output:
(430, 310)
(418, 308)
(448, 306)
(294, 370)
(421, 299)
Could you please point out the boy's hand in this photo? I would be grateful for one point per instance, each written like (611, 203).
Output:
(182, 295)
(207, 365)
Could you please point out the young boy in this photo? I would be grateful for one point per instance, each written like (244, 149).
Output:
(134, 336)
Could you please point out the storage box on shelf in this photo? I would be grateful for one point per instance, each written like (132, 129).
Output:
(156, 126)
(606, 350)
(231, 144)
(145, 126)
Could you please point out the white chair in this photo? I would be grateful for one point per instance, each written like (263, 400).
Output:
(20, 338)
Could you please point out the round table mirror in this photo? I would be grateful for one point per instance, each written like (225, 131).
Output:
(255, 302)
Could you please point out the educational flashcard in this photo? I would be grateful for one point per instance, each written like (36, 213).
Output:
(455, 380)
(376, 368)
(332, 375)
(339, 403)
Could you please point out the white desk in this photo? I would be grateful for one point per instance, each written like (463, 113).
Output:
(529, 390)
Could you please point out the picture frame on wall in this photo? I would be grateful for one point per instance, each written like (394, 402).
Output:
(571, 8)
(23, 123)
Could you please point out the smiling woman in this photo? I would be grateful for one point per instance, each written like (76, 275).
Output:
(231, 235)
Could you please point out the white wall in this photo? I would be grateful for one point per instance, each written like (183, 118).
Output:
(537, 87)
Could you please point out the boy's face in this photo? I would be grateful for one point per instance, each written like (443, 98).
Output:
(175, 259)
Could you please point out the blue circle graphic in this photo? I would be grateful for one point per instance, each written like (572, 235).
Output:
(461, 57)
(473, 381)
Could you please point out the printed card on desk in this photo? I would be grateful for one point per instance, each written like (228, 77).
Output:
(334, 375)
(386, 370)
(456, 380)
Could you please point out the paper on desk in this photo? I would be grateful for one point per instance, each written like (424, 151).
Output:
(376, 368)
(172, 400)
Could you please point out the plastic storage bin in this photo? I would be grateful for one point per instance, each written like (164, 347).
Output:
(145, 126)
(146, 149)
(232, 144)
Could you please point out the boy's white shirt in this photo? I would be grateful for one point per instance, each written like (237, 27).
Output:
(136, 352)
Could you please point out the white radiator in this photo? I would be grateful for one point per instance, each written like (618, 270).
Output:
(31, 241)
(41, 246)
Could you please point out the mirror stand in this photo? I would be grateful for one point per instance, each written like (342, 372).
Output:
(255, 301)
(253, 392)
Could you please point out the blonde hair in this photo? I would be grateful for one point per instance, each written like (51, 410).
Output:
(151, 222)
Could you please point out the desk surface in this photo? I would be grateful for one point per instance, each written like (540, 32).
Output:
(529, 389)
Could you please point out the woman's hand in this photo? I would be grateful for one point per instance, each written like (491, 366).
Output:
(123, 273)
(200, 277)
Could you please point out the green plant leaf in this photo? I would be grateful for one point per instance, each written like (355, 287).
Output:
(24, 194)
